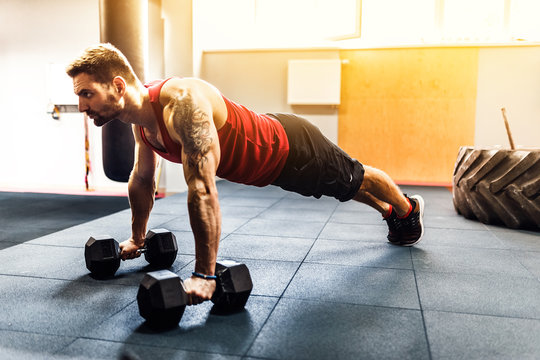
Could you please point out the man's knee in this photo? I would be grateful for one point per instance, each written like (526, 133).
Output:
(369, 179)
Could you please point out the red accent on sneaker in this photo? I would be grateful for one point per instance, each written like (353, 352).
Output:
(408, 212)
(387, 215)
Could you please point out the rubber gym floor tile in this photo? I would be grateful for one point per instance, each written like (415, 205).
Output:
(19, 232)
(318, 330)
(467, 261)
(496, 295)
(176, 208)
(451, 222)
(531, 260)
(303, 229)
(354, 206)
(7, 244)
(24, 345)
(78, 235)
(199, 328)
(68, 263)
(460, 239)
(518, 239)
(249, 201)
(275, 213)
(225, 190)
(231, 212)
(98, 349)
(185, 241)
(355, 285)
(253, 191)
(34, 205)
(43, 261)
(182, 224)
(118, 226)
(356, 253)
(58, 307)
(372, 233)
(270, 278)
(303, 202)
(357, 217)
(465, 336)
(132, 271)
(264, 247)
(60, 218)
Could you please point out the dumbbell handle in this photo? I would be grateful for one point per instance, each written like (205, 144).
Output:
(139, 251)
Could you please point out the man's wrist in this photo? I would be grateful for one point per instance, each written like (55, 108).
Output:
(203, 276)
(138, 239)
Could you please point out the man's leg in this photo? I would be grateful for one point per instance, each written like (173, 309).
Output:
(403, 214)
(315, 166)
(379, 191)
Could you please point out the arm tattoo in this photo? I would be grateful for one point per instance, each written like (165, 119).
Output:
(193, 126)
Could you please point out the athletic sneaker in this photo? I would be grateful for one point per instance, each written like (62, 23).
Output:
(407, 231)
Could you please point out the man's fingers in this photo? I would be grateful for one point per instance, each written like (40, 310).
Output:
(130, 255)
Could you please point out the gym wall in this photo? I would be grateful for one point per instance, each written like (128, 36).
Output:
(37, 152)
(404, 110)
(407, 111)
(258, 79)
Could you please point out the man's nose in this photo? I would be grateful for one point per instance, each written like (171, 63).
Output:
(82, 105)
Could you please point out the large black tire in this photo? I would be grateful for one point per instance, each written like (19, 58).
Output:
(498, 186)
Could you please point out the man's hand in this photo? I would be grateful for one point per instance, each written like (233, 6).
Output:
(129, 249)
(199, 290)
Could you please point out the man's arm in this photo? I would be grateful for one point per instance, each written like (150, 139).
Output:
(141, 190)
(191, 119)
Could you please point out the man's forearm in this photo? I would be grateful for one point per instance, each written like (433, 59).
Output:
(141, 199)
(205, 219)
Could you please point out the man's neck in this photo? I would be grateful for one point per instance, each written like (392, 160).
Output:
(138, 109)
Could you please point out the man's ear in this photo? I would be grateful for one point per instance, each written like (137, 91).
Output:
(119, 85)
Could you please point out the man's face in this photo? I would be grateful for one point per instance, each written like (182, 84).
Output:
(99, 101)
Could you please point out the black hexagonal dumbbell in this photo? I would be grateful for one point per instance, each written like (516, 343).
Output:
(233, 286)
(102, 253)
(162, 298)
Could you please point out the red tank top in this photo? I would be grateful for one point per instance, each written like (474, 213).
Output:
(254, 147)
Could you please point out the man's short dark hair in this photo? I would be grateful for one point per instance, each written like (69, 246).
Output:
(104, 62)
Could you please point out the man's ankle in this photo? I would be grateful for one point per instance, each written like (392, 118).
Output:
(409, 210)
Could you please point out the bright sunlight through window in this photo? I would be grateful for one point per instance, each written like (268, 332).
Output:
(249, 24)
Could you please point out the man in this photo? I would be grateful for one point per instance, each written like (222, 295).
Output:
(187, 120)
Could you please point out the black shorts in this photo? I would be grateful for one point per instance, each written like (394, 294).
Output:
(316, 166)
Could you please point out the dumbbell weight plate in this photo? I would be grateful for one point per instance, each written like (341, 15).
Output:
(161, 248)
(233, 287)
(161, 299)
(101, 254)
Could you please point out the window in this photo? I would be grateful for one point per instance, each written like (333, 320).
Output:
(523, 23)
(398, 21)
(248, 24)
(473, 21)
(230, 24)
